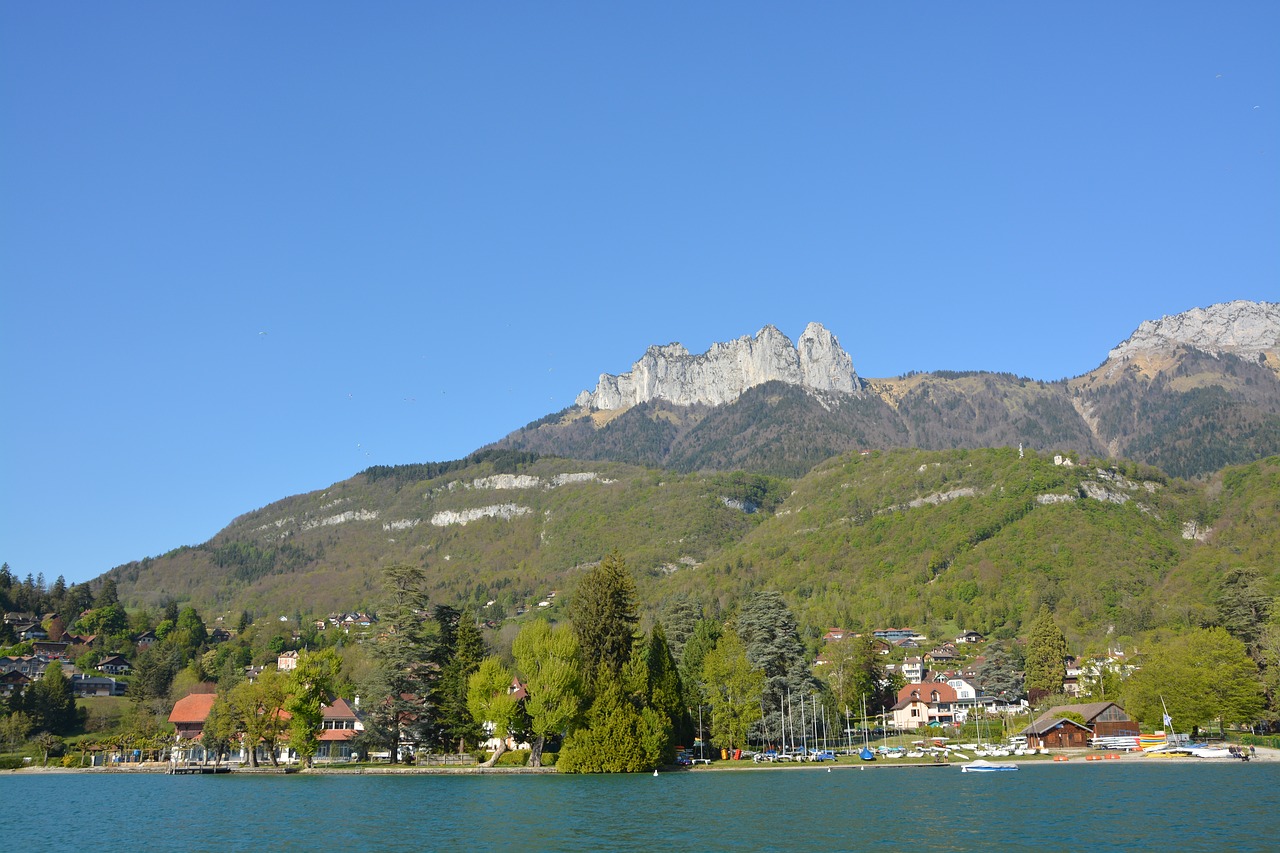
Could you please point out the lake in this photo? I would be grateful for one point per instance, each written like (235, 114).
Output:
(1099, 806)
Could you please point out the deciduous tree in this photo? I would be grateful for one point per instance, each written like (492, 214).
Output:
(734, 689)
(1202, 676)
(492, 703)
(550, 661)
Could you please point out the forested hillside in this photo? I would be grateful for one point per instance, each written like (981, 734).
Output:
(965, 538)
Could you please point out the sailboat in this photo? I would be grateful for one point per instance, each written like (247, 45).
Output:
(866, 753)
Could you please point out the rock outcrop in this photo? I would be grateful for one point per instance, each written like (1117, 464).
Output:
(1240, 328)
(726, 370)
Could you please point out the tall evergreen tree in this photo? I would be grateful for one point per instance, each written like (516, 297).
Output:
(466, 649)
(107, 595)
(998, 675)
(1046, 656)
(404, 655)
(657, 686)
(53, 703)
(618, 738)
(768, 630)
(682, 620)
(1243, 606)
(603, 613)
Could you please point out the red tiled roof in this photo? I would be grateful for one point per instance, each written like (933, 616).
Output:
(338, 710)
(946, 693)
(193, 708)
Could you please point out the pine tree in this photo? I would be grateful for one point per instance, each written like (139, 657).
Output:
(1046, 656)
(404, 655)
(466, 649)
(603, 612)
(53, 703)
(657, 686)
(768, 630)
(618, 738)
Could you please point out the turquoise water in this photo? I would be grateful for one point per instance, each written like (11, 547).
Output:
(1098, 806)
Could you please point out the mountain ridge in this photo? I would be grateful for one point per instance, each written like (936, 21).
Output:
(1150, 400)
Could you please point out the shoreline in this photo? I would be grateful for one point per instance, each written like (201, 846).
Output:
(1264, 755)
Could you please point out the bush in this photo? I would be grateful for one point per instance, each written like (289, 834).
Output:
(549, 759)
(514, 758)
(10, 762)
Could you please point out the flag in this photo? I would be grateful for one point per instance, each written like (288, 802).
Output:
(1168, 721)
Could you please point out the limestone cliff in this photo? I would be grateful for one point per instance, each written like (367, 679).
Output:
(1248, 329)
(726, 370)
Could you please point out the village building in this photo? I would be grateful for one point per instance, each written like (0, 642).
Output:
(114, 665)
(339, 726)
(923, 704)
(1101, 719)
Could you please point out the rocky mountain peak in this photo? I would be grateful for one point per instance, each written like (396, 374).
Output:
(726, 370)
(1241, 328)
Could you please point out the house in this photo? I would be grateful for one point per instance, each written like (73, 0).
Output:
(835, 635)
(1105, 719)
(190, 712)
(913, 670)
(939, 655)
(96, 685)
(964, 690)
(18, 617)
(340, 724)
(32, 666)
(1049, 732)
(970, 637)
(114, 665)
(146, 639)
(219, 635)
(893, 635)
(12, 681)
(89, 641)
(188, 716)
(50, 649)
(30, 631)
(287, 661)
(922, 704)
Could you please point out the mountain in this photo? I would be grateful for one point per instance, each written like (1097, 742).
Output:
(726, 370)
(1190, 393)
(961, 538)
(960, 499)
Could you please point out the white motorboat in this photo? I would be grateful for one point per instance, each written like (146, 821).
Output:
(981, 766)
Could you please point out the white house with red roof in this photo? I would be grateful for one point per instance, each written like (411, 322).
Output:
(924, 703)
(340, 724)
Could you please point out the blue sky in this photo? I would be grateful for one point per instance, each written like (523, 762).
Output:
(249, 249)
